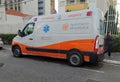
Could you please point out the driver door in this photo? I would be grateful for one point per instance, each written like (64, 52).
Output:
(28, 35)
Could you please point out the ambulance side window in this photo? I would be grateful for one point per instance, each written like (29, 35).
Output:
(29, 28)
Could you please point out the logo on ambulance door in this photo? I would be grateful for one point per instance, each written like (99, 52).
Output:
(46, 28)
(65, 26)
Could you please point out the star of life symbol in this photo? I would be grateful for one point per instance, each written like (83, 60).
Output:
(46, 28)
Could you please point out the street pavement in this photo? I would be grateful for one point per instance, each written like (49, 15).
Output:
(42, 69)
(114, 59)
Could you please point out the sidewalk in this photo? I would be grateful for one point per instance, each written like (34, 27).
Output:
(115, 57)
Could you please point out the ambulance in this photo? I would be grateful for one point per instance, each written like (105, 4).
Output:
(76, 36)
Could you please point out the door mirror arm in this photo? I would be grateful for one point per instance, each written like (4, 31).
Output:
(20, 33)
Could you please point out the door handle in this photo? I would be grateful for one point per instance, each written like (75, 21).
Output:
(30, 38)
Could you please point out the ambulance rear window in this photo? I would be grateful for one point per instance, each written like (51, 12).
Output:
(101, 29)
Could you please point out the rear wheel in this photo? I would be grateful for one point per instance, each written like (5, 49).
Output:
(75, 58)
(16, 51)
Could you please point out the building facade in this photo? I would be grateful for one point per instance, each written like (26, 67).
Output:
(12, 11)
(30, 7)
(39, 7)
(73, 5)
(12, 4)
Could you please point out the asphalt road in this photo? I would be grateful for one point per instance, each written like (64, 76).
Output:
(42, 69)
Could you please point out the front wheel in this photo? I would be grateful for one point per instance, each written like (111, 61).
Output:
(75, 58)
(16, 51)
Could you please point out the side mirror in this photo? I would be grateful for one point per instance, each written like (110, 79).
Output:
(20, 33)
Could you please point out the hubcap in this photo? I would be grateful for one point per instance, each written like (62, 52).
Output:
(74, 59)
(16, 52)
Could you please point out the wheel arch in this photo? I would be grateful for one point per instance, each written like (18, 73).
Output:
(71, 53)
(15, 46)
(74, 49)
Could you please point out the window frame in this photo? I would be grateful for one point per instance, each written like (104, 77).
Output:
(23, 31)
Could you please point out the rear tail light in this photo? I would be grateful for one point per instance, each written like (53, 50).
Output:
(96, 45)
(89, 13)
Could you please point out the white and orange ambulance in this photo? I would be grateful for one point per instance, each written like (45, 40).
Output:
(76, 36)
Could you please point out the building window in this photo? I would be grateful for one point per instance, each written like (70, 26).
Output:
(52, 5)
(41, 2)
(40, 13)
(15, 8)
(82, 0)
(19, 9)
(11, 8)
(6, 6)
(18, 0)
(0, 2)
(70, 2)
(40, 8)
(11, 1)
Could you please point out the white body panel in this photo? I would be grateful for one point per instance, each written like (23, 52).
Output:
(63, 27)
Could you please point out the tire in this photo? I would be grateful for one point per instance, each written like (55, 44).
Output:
(1, 48)
(75, 58)
(17, 51)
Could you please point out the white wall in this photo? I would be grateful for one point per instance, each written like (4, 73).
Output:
(2, 14)
(30, 7)
(10, 28)
(14, 19)
(11, 25)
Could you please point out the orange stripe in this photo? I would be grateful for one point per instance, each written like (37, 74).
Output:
(24, 51)
(82, 45)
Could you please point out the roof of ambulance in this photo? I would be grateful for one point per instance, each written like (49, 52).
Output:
(66, 15)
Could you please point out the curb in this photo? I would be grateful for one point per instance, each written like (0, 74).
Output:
(7, 47)
(111, 61)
